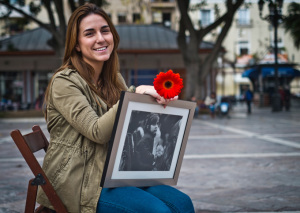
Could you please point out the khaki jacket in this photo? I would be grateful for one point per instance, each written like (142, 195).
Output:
(79, 134)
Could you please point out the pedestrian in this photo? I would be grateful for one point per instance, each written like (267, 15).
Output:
(282, 97)
(248, 99)
(210, 101)
(194, 99)
(81, 105)
(287, 98)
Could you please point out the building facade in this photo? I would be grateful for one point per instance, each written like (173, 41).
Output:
(250, 40)
(26, 73)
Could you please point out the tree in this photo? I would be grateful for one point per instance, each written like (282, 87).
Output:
(197, 69)
(292, 23)
(58, 30)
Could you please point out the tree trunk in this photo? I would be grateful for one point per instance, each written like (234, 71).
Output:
(191, 75)
(197, 70)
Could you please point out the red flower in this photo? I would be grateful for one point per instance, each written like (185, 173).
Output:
(168, 85)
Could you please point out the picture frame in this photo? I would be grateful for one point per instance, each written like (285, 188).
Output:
(148, 142)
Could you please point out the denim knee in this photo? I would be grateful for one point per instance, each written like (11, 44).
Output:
(108, 207)
(130, 200)
(176, 200)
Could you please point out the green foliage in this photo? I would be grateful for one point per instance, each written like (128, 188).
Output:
(198, 6)
(217, 11)
(291, 23)
(11, 47)
(34, 8)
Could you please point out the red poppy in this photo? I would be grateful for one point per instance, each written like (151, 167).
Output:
(168, 85)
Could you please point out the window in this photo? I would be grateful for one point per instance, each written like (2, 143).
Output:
(243, 47)
(136, 18)
(161, 19)
(167, 19)
(143, 76)
(205, 17)
(162, 0)
(244, 51)
(157, 17)
(121, 18)
(109, 15)
(243, 17)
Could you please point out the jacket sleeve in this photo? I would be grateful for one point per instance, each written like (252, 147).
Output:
(69, 100)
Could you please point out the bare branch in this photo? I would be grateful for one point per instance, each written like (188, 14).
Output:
(72, 5)
(218, 44)
(183, 7)
(60, 11)
(50, 14)
(26, 15)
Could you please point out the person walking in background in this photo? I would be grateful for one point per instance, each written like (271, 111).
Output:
(81, 103)
(248, 98)
(282, 97)
(287, 98)
(194, 99)
(210, 101)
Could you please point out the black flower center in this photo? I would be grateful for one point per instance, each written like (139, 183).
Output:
(168, 84)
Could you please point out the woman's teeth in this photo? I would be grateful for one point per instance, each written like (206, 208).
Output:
(101, 49)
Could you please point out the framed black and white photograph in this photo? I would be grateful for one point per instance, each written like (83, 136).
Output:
(148, 142)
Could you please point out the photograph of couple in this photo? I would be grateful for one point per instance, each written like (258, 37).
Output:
(150, 141)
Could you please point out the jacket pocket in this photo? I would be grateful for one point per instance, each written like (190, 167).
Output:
(60, 160)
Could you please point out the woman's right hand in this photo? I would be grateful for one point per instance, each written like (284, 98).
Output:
(149, 90)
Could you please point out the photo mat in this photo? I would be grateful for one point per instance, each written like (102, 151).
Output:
(148, 142)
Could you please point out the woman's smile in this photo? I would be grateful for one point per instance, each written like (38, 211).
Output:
(101, 49)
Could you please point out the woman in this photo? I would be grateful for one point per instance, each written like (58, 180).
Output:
(81, 104)
(144, 157)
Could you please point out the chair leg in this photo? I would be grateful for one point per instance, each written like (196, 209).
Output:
(40, 209)
(31, 197)
(43, 209)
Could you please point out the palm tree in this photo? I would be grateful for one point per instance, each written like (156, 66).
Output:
(292, 23)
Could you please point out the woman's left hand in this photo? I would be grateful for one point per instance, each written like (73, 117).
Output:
(149, 90)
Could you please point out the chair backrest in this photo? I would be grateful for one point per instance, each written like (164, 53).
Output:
(36, 140)
(28, 144)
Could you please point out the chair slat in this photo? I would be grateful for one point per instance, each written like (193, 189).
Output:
(35, 141)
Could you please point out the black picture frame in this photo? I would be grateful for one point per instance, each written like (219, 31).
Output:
(148, 142)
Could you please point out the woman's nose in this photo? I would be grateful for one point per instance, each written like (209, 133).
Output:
(100, 37)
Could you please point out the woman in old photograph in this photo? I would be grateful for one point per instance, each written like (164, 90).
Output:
(81, 103)
(145, 156)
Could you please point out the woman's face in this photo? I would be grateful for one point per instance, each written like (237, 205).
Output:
(95, 40)
(154, 128)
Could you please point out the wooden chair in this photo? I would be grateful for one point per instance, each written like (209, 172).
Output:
(29, 144)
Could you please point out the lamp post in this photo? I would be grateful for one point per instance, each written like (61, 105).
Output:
(273, 18)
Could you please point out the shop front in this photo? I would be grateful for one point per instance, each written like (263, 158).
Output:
(262, 77)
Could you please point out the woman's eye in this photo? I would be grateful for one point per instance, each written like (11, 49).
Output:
(105, 30)
(88, 34)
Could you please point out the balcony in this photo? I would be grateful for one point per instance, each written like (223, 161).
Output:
(244, 23)
(163, 4)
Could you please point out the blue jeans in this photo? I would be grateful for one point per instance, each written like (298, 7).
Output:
(154, 199)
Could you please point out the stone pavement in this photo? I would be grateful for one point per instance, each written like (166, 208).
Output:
(248, 163)
(245, 163)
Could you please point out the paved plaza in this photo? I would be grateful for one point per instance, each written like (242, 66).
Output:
(247, 163)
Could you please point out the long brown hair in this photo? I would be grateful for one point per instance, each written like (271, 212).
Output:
(109, 85)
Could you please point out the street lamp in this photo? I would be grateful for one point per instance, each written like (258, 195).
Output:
(274, 17)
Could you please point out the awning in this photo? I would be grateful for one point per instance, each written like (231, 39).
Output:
(270, 71)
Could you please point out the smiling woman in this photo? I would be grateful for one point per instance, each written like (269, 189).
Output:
(81, 104)
(95, 42)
